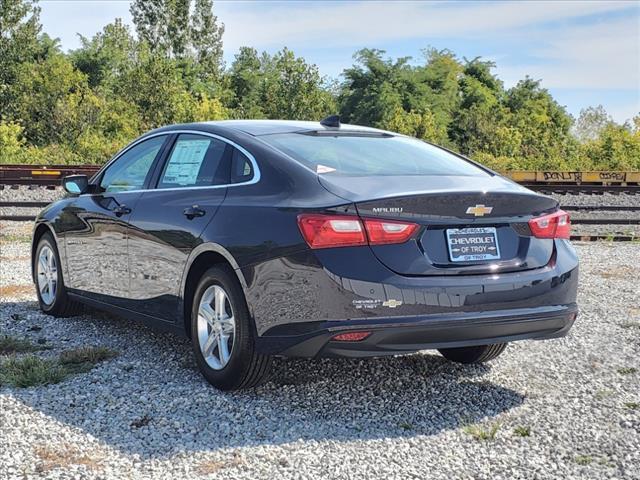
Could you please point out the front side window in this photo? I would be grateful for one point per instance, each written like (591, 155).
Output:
(195, 161)
(366, 155)
(130, 170)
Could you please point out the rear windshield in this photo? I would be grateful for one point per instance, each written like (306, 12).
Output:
(360, 155)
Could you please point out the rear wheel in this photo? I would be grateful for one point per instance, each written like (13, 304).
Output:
(476, 354)
(52, 294)
(221, 333)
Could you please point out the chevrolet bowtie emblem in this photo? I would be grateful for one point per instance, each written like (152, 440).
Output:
(479, 210)
(392, 303)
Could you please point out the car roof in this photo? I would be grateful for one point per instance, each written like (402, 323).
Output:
(268, 127)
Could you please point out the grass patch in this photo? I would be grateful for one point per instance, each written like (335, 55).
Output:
(483, 433)
(604, 393)
(632, 405)
(9, 345)
(15, 238)
(627, 370)
(86, 355)
(32, 371)
(583, 459)
(405, 426)
(522, 431)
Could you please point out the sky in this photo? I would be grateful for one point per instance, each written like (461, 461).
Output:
(585, 52)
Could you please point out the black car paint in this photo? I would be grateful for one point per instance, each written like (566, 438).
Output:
(137, 263)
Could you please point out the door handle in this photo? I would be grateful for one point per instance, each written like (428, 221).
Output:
(121, 210)
(193, 211)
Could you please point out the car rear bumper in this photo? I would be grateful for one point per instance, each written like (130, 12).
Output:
(396, 335)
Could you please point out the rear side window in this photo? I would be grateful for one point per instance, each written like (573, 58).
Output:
(194, 161)
(370, 155)
(241, 167)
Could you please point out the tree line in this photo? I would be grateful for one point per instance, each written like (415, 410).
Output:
(83, 105)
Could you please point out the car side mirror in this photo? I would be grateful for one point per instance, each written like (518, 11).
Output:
(76, 184)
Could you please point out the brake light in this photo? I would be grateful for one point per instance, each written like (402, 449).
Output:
(553, 225)
(325, 231)
(382, 232)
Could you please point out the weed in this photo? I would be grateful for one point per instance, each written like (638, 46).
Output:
(632, 405)
(583, 459)
(523, 431)
(627, 370)
(141, 422)
(31, 371)
(10, 345)
(12, 238)
(604, 393)
(481, 433)
(81, 360)
(405, 425)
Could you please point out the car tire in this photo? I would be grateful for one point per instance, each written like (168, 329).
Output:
(476, 354)
(52, 294)
(222, 336)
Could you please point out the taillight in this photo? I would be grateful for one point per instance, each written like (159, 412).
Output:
(382, 232)
(325, 231)
(553, 225)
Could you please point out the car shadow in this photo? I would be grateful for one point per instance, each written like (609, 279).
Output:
(151, 400)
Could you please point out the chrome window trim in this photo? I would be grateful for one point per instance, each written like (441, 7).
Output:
(254, 163)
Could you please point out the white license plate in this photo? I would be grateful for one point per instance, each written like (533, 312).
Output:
(473, 244)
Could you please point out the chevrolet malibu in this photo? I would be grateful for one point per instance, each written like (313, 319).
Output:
(258, 239)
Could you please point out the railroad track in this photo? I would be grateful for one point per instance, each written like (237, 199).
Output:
(45, 176)
(584, 189)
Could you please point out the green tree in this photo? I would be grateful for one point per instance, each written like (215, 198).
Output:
(278, 86)
(174, 29)
(19, 31)
(544, 124)
(374, 88)
(107, 55)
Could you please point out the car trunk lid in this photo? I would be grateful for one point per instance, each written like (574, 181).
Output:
(469, 224)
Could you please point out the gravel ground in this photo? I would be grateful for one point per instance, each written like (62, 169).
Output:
(622, 199)
(26, 193)
(149, 414)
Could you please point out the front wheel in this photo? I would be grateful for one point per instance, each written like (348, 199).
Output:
(52, 294)
(477, 354)
(222, 334)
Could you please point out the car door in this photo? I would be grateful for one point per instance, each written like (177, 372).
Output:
(98, 224)
(169, 219)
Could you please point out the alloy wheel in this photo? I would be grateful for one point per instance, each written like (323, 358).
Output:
(47, 273)
(216, 327)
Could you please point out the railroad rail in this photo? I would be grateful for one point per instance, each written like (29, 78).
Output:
(43, 175)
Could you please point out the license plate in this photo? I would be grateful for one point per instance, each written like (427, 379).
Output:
(473, 244)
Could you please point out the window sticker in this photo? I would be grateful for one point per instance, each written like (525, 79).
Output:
(185, 162)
